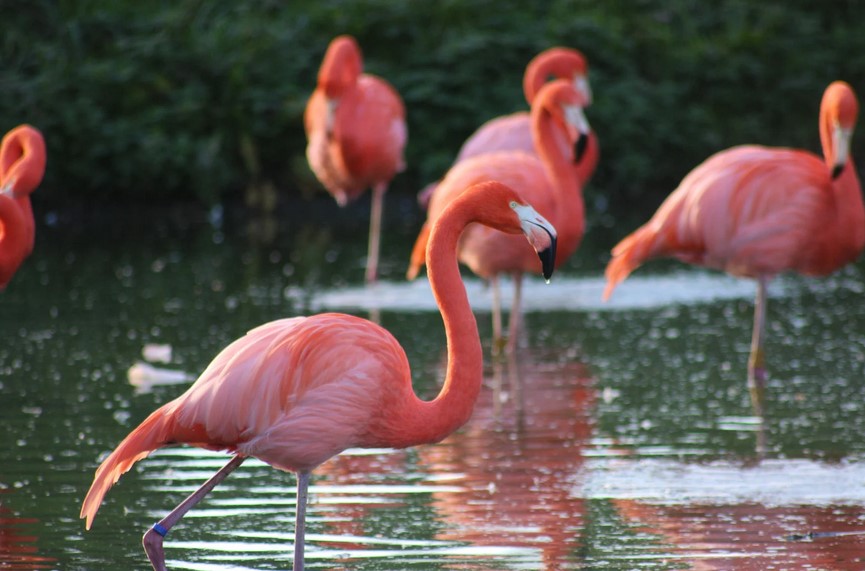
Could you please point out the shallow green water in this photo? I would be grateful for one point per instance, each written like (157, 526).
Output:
(620, 436)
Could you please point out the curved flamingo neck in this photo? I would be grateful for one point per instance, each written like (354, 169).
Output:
(431, 421)
(562, 63)
(839, 109)
(14, 243)
(562, 173)
(22, 160)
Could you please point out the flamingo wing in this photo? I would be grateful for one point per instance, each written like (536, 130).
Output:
(295, 392)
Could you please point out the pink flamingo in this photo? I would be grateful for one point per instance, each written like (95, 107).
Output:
(356, 131)
(22, 166)
(550, 182)
(296, 392)
(755, 212)
(15, 238)
(514, 133)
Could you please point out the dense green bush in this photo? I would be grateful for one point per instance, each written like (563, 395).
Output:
(172, 101)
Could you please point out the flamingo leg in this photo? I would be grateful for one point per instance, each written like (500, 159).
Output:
(377, 207)
(154, 536)
(756, 362)
(498, 339)
(300, 521)
(516, 313)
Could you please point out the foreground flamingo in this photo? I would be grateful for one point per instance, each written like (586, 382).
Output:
(755, 212)
(22, 166)
(356, 131)
(513, 132)
(550, 183)
(296, 392)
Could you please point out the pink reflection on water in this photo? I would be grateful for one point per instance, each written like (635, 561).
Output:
(350, 518)
(753, 536)
(519, 458)
(18, 547)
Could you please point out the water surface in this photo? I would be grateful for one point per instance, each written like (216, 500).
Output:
(619, 437)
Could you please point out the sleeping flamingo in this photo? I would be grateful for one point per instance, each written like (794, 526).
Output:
(550, 182)
(514, 133)
(15, 238)
(22, 166)
(755, 212)
(356, 131)
(296, 392)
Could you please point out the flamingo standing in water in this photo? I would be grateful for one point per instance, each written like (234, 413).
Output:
(755, 212)
(296, 392)
(356, 131)
(22, 166)
(550, 182)
(514, 132)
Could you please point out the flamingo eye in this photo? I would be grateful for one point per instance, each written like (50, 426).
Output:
(514, 204)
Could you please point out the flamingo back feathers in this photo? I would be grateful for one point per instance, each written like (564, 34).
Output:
(147, 437)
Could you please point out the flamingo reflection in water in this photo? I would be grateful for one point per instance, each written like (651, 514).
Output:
(18, 548)
(519, 458)
(752, 536)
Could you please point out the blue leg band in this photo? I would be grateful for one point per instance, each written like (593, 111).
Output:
(159, 529)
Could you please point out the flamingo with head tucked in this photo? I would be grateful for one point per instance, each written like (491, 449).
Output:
(514, 133)
(550, 182)
(296, 392)
(15, 241)
(756, 211)
(356, 131)
(22, 166)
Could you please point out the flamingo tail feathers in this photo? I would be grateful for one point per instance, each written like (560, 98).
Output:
(628, 255)
(418, 253)
(150, 435)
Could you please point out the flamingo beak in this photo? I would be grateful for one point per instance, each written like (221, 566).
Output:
(574, 116)
(841, 143)
(580, 147)
(541, 235)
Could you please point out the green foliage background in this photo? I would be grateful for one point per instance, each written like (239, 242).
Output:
(195, 100)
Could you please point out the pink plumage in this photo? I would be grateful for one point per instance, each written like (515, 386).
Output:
(758, 211)
(356, 132)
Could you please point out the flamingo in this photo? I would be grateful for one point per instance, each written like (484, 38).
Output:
(296, 392)
(514, 132)
(550, 182)
(756, 211)
(15, 238)
(22, 166)
(356, 131)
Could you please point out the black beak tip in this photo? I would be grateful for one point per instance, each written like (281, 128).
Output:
(836, 171)
(580, 147)
(548, 260)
